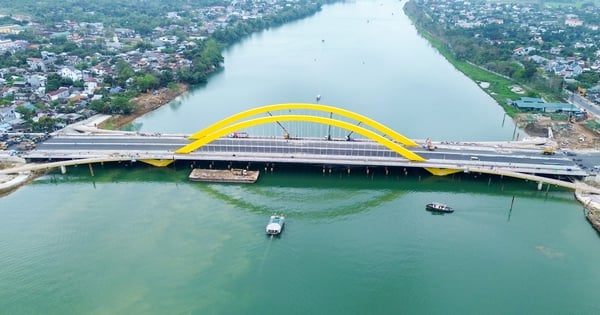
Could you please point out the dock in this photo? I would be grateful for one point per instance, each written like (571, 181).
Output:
(224, 176)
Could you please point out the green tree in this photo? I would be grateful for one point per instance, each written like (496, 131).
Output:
(44, 124)
(53, 82)
(99, 106)
(121, 105)
(146, 82)
(26, 113)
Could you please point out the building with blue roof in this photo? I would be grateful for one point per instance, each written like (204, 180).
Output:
(534, 104)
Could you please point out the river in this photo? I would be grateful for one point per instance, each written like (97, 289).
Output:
(143, 240)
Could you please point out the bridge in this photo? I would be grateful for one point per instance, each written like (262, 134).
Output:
(308, 134)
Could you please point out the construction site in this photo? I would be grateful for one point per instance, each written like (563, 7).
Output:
(567, 133)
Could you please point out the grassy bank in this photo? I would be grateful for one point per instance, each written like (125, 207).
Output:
(499, 86)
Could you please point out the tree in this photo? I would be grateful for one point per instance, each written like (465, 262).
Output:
(165, 77)
(121, 105)
(53, 82)
(26, 113)
(44, 124)
(100, 106)
(146, 82)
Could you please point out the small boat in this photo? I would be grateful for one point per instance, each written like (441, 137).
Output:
(438, 207)
(318, 97)
(275, 224)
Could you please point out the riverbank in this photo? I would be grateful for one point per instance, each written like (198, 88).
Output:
(10, 182)
(502, 89)
(591, 204)
(145, 103)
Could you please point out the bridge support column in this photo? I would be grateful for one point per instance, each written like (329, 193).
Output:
(63, 169)
(540, 185)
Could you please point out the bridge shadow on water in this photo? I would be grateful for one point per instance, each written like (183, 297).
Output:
(340, 191)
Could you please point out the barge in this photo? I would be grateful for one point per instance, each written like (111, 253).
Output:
(224, 176)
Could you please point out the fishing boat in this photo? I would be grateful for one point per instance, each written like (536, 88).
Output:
(438, 207)
(275, 224)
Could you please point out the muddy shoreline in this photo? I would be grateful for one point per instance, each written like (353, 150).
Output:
(143, 104)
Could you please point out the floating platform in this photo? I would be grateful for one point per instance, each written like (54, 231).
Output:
(224, 176)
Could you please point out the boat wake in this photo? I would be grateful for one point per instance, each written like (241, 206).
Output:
(265, 255)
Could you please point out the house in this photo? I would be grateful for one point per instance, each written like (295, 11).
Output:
(60, 94)
(70, 73)
(99, 70)
(37, 80)
(11, 29)
(573, 22)
(529, 104)
(538, 105)
(8, 91)
(7, 115)
(90, 85)
(36, 64)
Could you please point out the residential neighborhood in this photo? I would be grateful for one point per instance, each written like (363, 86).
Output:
(552, 42)
(45, 89)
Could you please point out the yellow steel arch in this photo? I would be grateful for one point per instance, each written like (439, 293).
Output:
(322, 120)
(330, 109)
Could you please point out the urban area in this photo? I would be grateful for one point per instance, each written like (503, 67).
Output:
(56, 72)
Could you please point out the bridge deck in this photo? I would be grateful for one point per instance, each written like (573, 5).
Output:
(498, 158)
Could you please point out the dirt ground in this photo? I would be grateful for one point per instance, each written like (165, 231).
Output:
(145, 103)
(567, 135)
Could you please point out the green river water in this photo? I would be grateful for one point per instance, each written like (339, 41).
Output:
(144, 240)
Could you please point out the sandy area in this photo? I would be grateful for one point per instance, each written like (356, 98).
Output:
(567, 135)
(144, 104)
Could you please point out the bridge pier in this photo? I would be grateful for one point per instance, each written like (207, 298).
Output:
(540, 185)
(63, 169)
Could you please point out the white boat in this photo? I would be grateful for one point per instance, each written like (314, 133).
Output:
(275, 225)
(438, 207)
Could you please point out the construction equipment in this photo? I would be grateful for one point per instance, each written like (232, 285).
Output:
(429, 145)
(548, 151)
